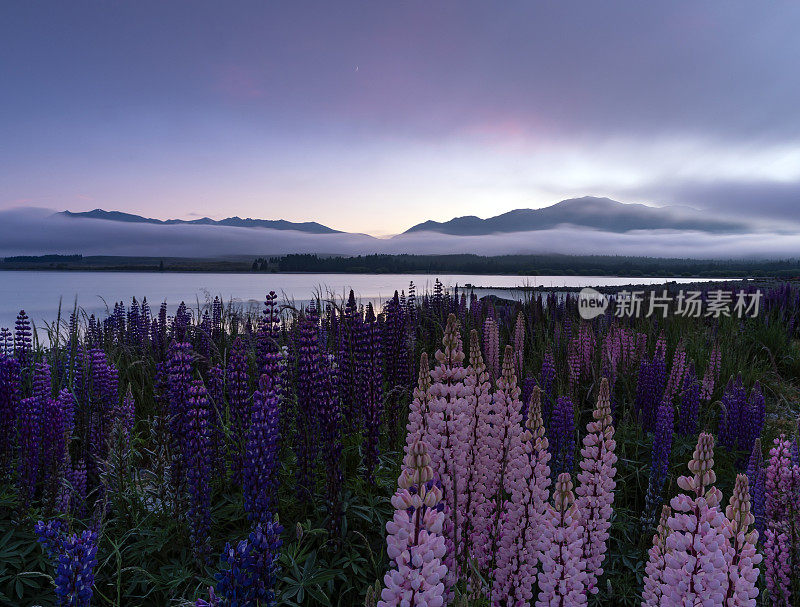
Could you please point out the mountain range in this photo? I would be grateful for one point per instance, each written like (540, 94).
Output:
(587, 212)
(311, 227)
(591, 212)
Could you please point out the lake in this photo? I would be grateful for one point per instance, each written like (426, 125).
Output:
(39, 293)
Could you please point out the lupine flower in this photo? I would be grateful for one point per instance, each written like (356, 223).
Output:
(414, 538)
(330, 414)
(650, 388)
(562, 580)
(756, 479)
(307, 381)
(528, 546)
(659, 461)
(9, 396)
(782, 506)
(197, 459)
(179, 378)
(491, 347)
(396, 359)
(419, 409)
(250, 570)
(370, 382)
(519, 345)
(690, 403)
(778, 564)
(349, 332)
(562, 436)
(696, 570)
(236, 381)
(513, 474)
(676, 373)
(547, 384)
(259, 474)
(30, 442)
(743, 559)
(74, 558)
(595, 492)
(712, 373)
(447, 431)
(478, 458)
(656, 563)
(22, 338)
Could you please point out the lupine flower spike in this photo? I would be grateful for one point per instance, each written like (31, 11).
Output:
(415, 543)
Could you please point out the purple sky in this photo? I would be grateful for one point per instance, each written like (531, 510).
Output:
(369, 116)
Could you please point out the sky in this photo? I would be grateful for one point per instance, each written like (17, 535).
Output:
(372, 117)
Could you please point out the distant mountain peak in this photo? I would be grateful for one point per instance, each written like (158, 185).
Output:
(311, 227)
(586, 212)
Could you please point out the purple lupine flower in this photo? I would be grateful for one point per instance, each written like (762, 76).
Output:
(181, 322)
(29, 439)
(22, 338)
(75, 572)
(53, 450)
(690, 403)
(9, 397)
(734, 403)
(756, 478)
(370, 385)
(74, 558)
(216, 319)
(178, 380)
(650, 388)
(307, 379)
(330, 414)
(547, 384)
(659, 461)
(98, 393)
(527, 389)
(71, 498)
(197, 460)
(562, 436)
(269, 352)
(250, 569)
(259, 474)
(42, 382)
(349, 332)
(237, 379)
(397, 361)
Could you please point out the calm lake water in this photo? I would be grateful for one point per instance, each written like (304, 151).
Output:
(39, 293)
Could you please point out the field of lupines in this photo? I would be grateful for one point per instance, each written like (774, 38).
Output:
(438, 451)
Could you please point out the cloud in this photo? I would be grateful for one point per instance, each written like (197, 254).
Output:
(39, 231)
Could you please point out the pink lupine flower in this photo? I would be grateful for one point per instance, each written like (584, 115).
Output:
(712, 372)
(478, 411)
(744, 560)
(529, 541)
(562, 578)
(676, 373)
(656, 563)
(596, 486)
(519, 344)
(414, 537)
(514, 472)
(778, 566)
(696, 571)
(447, 433)
(782, 508)
(419, 409)
(491, 347)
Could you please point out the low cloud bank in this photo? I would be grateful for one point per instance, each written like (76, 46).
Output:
(38, 231)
